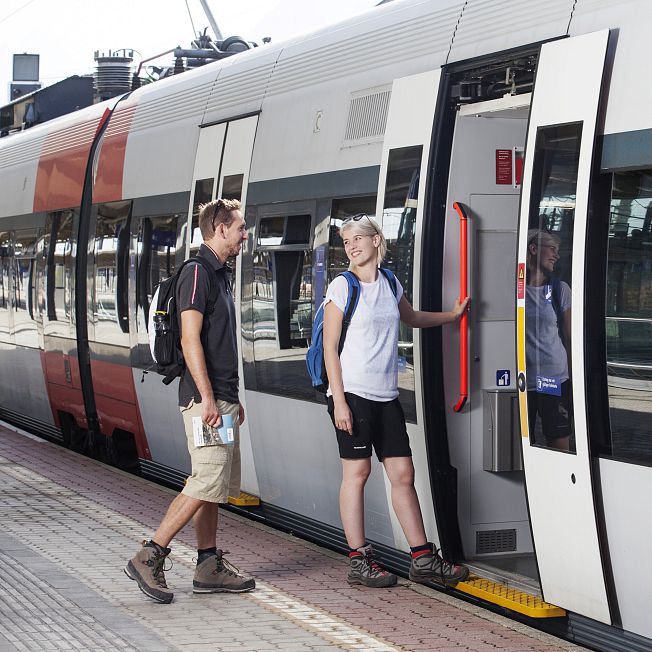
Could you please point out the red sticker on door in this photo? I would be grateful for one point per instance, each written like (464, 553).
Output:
(520, 284)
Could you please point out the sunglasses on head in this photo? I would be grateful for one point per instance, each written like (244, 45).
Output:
(357, 217)
(219, 205)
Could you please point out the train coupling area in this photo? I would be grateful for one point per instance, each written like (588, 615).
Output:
(70, 524)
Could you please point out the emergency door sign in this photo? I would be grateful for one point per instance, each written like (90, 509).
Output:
(509, 167)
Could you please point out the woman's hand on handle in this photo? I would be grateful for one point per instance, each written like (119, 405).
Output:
(460, 308)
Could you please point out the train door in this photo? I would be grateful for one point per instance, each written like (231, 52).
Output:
(401, 188)
(551, 382)
(222, 170)
(483, 436)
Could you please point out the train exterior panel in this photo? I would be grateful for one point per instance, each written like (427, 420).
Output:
(524, 114)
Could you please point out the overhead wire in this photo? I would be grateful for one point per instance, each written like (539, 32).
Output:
(194, 31)
(15, 11)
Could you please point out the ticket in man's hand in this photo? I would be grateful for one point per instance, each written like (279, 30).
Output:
(205, 435)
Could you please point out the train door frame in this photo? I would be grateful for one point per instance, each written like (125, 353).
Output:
(575, 579)
(443, 475)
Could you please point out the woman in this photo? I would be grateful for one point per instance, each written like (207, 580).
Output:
(364, 407)
(547, 341)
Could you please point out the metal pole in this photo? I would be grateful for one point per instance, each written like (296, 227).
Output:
(211, 20)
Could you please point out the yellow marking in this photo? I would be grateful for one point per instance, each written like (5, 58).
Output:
(244, 500)
(521, 272)
(520, 351)
(510, 598)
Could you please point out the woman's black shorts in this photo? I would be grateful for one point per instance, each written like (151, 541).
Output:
(555, 412)
(380, 424)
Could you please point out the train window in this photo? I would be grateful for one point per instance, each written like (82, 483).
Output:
(24, 293)
(341, 209)
(282, 305)
(629, 317)
(399, 221)
(202, 195)
(111, 271)
(58, 273)
(157, 258)
(284, 230)
(5, 271)
(232, 187)
(548, 293)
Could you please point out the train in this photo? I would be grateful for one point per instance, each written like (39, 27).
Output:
(460, 125)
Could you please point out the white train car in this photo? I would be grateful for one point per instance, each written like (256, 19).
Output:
(524, 114)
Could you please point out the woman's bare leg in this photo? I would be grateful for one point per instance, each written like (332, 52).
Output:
(354, 478)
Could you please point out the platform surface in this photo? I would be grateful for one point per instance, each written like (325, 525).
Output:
(68, 525)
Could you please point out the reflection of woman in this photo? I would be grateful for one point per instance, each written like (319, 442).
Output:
(547, 341)
(364, 407)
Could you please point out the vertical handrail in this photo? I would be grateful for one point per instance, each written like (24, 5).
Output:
(464, 331)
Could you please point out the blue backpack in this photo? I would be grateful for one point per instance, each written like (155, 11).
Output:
(315, 356)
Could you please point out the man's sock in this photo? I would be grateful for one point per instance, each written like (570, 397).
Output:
(204, 553)
(152, 544)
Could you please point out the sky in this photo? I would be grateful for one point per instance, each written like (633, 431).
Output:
(66, 33)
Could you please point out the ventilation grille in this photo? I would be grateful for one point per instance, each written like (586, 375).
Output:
(490, 541)
(367, 116)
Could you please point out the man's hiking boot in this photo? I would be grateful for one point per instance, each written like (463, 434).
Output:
(146, 568)
(216, 575)
(364, 570)
(430, 567)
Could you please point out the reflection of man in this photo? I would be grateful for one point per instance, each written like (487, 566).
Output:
(547, 341)
(208, 396)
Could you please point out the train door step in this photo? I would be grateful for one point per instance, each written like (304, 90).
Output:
(244, 500)
(509, 597)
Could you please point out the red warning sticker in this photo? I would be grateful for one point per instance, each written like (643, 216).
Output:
(520, 285)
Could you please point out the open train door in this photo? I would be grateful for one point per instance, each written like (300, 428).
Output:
(555, 199)
(400, 210)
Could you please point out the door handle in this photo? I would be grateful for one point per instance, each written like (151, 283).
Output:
(464, 321)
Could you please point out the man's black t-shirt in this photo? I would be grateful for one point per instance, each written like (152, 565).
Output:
(218, 333)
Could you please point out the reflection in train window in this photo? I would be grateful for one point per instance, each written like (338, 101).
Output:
(629, 317)
(232, 187)
(5, 270)
(284, 230)
(25, 286)
(111, 271)
(341, 209)
(202, 195)
(399, 223)
(282, 305)
(548, 295)
(157, 259)
(59, 273)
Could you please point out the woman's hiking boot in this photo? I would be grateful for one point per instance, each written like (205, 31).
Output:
(430, 567)
(216, 575)
(146, 569)
(364, 570)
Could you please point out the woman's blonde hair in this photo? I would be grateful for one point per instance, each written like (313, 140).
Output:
(365, 225)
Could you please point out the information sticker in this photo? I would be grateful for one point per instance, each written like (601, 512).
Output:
(548, 385)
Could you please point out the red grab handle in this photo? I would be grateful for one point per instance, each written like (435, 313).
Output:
(464, 333)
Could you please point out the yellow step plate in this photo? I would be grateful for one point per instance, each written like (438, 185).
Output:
(244, 500)
(509, 598)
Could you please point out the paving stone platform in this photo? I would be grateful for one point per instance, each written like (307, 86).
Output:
(68, 524)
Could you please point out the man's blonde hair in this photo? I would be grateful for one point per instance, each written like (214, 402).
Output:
(365, 225)
(219, 211)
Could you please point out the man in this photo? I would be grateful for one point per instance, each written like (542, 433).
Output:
(208, 390)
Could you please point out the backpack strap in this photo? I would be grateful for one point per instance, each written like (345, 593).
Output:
(391, 278)
(352, 298)
(555, 284)
(212, 292)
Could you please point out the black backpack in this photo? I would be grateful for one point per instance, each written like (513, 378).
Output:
(163, 323)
